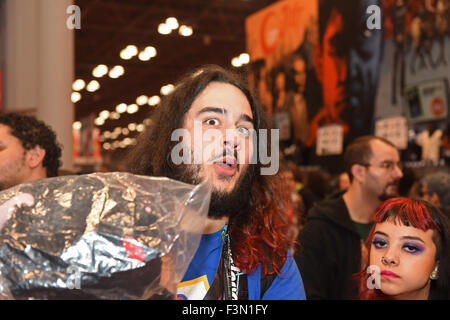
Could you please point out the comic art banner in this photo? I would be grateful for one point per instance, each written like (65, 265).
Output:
(280, 40)
(317, 63)
(415, 62)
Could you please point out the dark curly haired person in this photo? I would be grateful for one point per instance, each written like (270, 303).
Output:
(244, 250)
(28, 150)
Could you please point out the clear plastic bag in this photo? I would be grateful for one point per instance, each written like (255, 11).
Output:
(99, 236)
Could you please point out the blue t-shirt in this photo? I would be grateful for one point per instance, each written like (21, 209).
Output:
(202, 270)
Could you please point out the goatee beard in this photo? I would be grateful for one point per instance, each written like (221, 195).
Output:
(384, 196)
(222, 204)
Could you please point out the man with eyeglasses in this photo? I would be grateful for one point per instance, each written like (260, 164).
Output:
(331, 243)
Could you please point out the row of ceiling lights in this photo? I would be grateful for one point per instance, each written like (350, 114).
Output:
(115, 72)
(172, 24)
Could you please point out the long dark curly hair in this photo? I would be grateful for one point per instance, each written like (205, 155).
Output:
(32, 132)
(258, 233)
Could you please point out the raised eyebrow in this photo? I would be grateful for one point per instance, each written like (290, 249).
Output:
(245, 118)
(213, 110)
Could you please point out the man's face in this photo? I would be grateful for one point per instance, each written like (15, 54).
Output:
(383, 172)
(300, 74)
(13, 170)
(334, 65)
(226, 145)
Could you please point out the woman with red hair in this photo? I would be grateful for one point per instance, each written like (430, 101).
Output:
(408, 253)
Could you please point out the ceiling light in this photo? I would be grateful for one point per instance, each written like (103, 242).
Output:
(244, 58)
(77, 125)
(116, 72)
(132, 126)
(104, 114)
(151, 50)
(172, 23)
(100, 70)
(75, 97)
(144, 56)
(107, 134)
(154, 100)
(125, 131)
(141, 100)
(114, 115)
(235, 62)
(121, 108)
(165, 90)
(107, 146)
(78, 85)
(140, 127)
(99, 121)
(164, 28)
(125, 55)
(93, 86)
(185, 31)
(132, 108)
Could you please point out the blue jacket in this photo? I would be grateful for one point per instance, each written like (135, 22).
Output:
(288, 285)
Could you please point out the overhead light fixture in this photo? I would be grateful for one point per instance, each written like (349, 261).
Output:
(114, 115)
(185, 31)
(100, 70)
(99, 121)
(151, 50)
(172, 23)
(129, 52)
(165, 90)
(235, 62)
(116, 72)
(244, 58)
(132, 108)
(154, 100)
(93, 86)
(141, 100)
(77, 125)
(104, 114)
(75, 97)
(132, 126)
(121, 108)
(144, 56)
(107, 146)
(78, 85)
(140, 127)
(164, 29)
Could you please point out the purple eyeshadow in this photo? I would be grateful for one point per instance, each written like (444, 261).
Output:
(418, 247)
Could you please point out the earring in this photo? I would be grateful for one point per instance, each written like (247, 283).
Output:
(434, 275)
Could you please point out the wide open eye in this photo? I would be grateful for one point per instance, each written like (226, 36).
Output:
(212, 122)
(244, 131)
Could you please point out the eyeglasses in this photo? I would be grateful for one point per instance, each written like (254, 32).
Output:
(386, 165)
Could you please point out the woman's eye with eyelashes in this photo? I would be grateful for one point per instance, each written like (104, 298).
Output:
(379, 243)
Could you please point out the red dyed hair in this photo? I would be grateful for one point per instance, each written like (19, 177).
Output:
(406, 211)
(264, 235)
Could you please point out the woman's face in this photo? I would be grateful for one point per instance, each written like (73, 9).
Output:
(406, 258)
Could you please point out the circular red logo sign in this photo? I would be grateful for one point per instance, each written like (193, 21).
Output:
(437, 107)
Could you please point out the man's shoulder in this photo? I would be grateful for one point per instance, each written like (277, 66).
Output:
(329, 207)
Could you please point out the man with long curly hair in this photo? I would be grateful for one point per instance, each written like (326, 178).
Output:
(28, 150)
(244, 251)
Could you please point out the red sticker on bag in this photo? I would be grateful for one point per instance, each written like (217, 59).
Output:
(134, 248)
